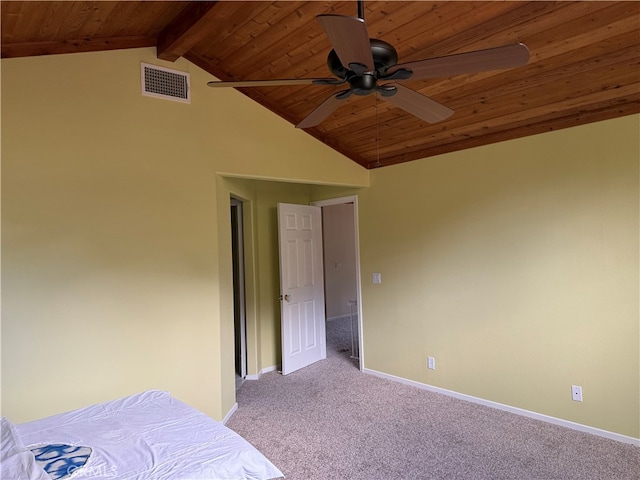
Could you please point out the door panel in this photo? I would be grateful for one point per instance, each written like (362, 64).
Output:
(302, 286)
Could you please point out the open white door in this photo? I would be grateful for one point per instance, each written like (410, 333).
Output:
(301, 286)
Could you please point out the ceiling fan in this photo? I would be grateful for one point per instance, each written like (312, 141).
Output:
(366, 64)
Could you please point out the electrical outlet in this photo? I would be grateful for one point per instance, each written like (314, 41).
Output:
(431, 363)
(576, 393)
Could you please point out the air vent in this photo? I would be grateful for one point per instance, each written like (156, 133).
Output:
(165, 83)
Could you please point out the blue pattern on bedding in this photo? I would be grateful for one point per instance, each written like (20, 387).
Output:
(60, 460)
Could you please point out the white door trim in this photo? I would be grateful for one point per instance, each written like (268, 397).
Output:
(237, 203)
(339, 201)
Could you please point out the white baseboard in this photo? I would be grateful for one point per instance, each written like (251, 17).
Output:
(230, 413)
(507, 408)
(261, 372)
(248, 377)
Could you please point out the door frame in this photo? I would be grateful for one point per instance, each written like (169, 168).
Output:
(239, 288)
(354, 200)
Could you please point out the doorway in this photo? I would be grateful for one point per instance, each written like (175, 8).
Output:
(342, 268)
(250, 360)
(239, 304)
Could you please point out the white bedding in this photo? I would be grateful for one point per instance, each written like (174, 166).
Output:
(150, 436)
(17, 462)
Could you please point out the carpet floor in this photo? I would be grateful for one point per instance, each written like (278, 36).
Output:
(330, 421)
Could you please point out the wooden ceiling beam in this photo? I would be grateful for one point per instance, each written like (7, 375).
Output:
(185, 31)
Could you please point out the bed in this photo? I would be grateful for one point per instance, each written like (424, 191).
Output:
(150, 436)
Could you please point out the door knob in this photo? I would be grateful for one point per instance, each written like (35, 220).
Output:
(285, 297)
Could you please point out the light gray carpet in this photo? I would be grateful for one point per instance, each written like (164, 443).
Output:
(330, 421)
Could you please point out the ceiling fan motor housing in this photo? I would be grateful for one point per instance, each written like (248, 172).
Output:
(384, 57)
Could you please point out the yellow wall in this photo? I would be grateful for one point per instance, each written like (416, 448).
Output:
(115, 248)
(516, 266)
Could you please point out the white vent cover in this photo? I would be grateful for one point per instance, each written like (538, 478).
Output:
(165, 83)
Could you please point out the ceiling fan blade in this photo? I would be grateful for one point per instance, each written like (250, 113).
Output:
(323, 110)
(498, 58)
(350, 39)
(419, 105)
(276, 82)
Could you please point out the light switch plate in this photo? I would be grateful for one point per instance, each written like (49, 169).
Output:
(377, 278)
(431, 363)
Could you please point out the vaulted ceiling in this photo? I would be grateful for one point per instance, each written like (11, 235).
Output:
(584, 61)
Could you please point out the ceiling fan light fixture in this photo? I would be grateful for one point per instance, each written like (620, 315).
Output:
(364, 84)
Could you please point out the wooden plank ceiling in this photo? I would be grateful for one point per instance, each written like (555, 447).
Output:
(584, 65)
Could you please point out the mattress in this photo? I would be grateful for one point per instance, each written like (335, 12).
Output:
(150, 436)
